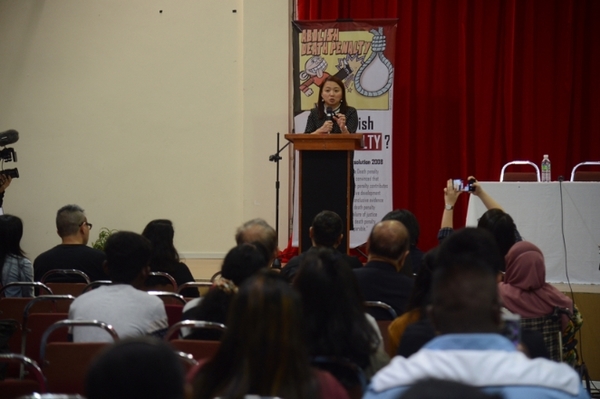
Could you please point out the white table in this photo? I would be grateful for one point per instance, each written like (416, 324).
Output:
(536, 210)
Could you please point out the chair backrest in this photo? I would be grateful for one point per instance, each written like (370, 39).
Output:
(95, 284)
(12, 309)
(349, 374)
(74, 289)
(187, 360)
(579, 175)
(37, 324)
(193, 324)
(65, 364)
(374, 308)
(34, 284)
(202, 287)
(160, 281)
(34, 324)
(68, 274)
(169, 297)
(520, 176)
(174, 312)
(74, 323)
(199, 349)
(11, 388)
(214, 276)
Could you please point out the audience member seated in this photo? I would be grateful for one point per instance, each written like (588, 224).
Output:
(129, 310)
(415, 255)
(380, 279)
(239, 264)
(417, 303)
(165, 258)
(494, 220)
(14, 266)
(334, 317)
(73, 253)
(524, 291)
(466, 312)
(259, 231)
(263, 351)
(136, 368)
(326, 231)
(419, 333)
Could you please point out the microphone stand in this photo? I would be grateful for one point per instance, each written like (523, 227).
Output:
(276, 158)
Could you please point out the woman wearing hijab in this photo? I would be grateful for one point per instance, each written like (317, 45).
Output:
(525, 291)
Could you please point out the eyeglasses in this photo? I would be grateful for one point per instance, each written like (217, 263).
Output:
(89, 225)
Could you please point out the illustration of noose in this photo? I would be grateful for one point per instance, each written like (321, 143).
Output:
(377, 49)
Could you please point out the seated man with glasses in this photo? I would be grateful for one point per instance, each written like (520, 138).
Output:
(73, 253)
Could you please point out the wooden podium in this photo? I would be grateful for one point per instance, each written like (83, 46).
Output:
(326, 179)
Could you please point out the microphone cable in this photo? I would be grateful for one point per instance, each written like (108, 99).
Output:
(579, 352)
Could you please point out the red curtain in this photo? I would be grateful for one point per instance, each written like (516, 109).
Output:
(479, 83)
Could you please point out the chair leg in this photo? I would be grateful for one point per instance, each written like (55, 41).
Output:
(584, 374)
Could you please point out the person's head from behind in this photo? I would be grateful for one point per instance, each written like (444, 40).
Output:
(262, 351)
(160, 233)
(464, 292)
(327, 229)
(389, 241)
(328, 286)
(408, 219)
(470, 242)
(258, 230)
(421, 293)
(11, 232)
(127, 258)
(242, 262)
(525, 267)
(333, 307)
(266, 312)
(132, 368)
(502, 227)
(72, 225)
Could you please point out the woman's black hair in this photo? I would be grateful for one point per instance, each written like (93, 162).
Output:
(164, 257)
(502, 227)
(334, 316)
(11, 232)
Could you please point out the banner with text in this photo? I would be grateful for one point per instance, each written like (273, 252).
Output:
(361, 54)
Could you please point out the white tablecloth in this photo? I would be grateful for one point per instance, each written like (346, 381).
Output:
(537, 211)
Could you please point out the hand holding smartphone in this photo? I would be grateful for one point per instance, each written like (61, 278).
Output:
(459, 185)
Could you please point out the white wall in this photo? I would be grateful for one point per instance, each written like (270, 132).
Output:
(136, 114)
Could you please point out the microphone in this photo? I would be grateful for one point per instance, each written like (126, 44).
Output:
(329, 114)
(9, 137)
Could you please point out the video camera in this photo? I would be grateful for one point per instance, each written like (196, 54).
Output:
(8, 154)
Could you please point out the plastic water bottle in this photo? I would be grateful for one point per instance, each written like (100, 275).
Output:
(546, 177)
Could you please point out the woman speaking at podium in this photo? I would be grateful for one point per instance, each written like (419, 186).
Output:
(332, 114)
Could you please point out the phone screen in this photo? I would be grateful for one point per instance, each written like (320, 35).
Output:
(460, 185)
